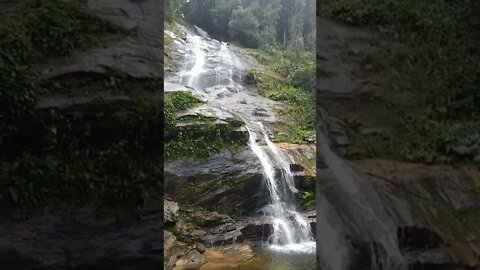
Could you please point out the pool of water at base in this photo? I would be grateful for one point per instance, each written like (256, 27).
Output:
(271, 258)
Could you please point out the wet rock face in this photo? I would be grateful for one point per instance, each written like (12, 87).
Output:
(209, 219)
(57, 240)
(258, 229)
(191, 260)
(236, 253)
(196, 235)
(47, 242)
(303, 180)
(414, 238)
(232, 181)
(170, 212)
(213, 229)
(366, 255)
(363, 255)
(139, 56)
(433, 208)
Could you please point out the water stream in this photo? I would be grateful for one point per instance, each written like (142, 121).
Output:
(357, 206)
(214, 71)
(291, 229)
(348, 206)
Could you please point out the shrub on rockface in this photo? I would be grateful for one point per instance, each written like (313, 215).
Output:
(290, 78)
(176, 102)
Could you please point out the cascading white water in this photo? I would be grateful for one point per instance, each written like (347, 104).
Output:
(291, 229)
(212, 68)
(362, 207)
(195, 61)
(281, 160)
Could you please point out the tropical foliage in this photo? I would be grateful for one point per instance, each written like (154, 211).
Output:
(253, 23)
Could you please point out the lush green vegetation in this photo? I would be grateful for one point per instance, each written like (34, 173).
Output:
(307, 198)
(204, 143)
(176, 102)
(289, 77)
(172, 9)
(284, 34)
(438, 62)
(203, 137)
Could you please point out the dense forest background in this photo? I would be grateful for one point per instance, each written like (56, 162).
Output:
(253, 23)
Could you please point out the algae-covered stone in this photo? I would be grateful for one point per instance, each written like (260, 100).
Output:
(207, 219)
(170, 211)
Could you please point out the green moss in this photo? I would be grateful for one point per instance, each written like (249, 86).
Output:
(56, 27)
(202, 141)
(49, 28)
(203, 144)
(307, 199)
(233, 195)
(175, 102)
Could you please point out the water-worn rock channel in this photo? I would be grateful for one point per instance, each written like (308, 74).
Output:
(212, 70)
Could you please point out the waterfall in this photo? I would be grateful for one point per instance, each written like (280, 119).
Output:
(362, 211)
(194, 64)
(291, 229)
(348, 205)
(213, 70)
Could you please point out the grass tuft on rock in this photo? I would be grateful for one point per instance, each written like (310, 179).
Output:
(289, 77)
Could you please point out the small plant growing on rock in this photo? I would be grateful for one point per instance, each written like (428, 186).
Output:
(251, 77)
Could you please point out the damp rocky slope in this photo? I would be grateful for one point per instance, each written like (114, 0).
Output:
(214, 200)
(95, 107)
(434, 208)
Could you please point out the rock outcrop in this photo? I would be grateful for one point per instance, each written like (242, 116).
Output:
(432, 210)
(71, 240)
